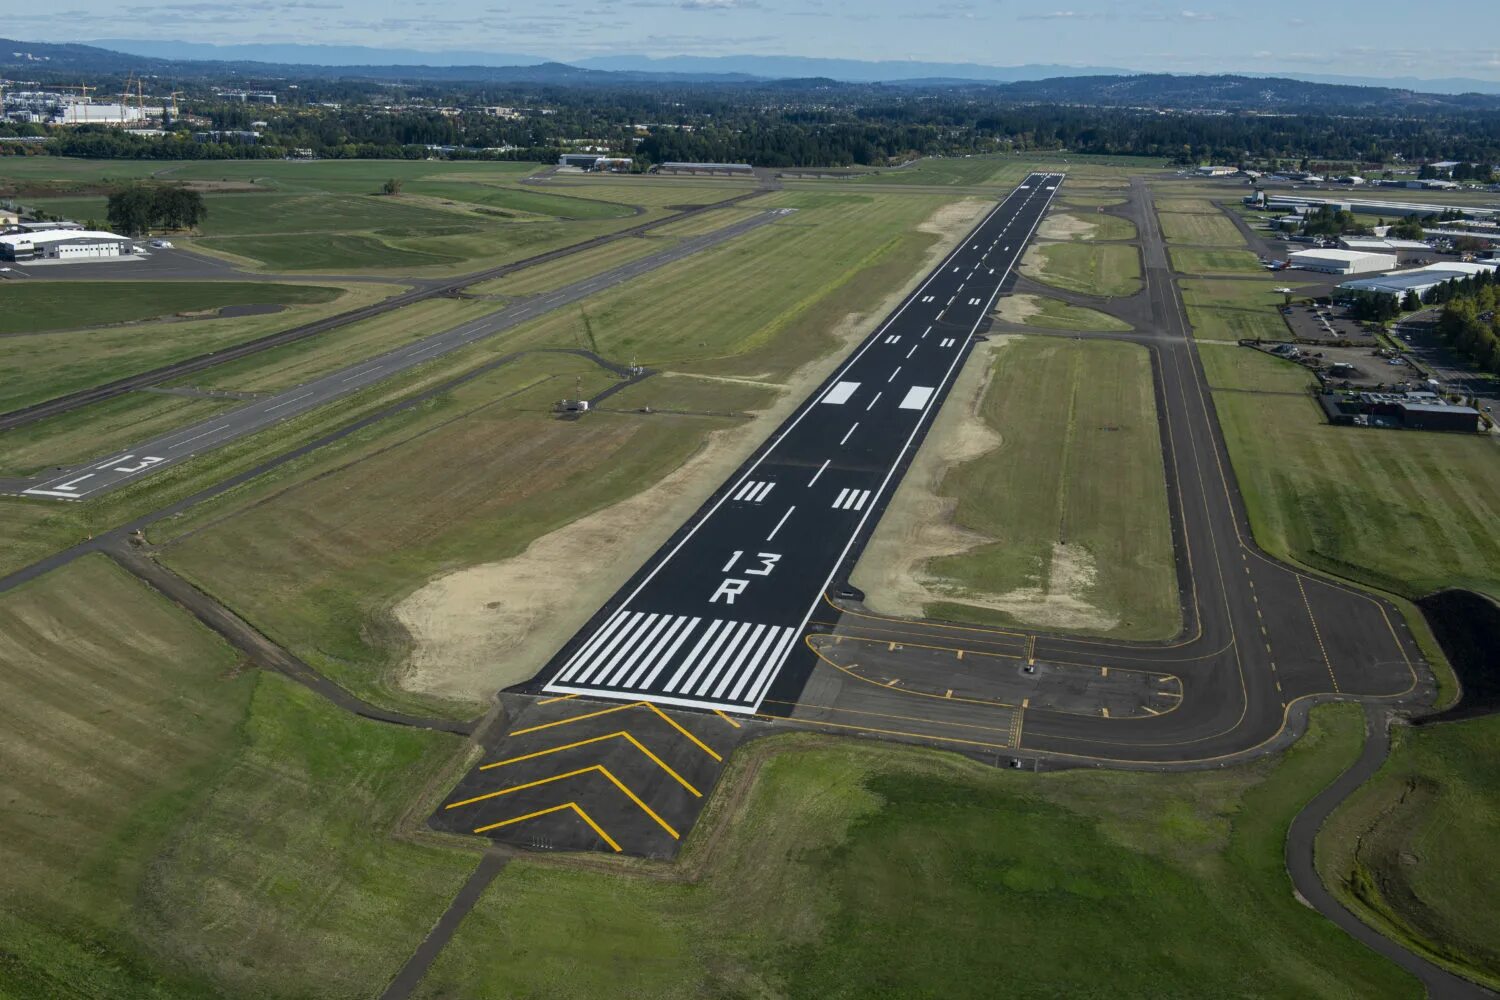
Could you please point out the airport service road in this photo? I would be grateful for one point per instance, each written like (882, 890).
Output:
(101, 475)
(710, 620)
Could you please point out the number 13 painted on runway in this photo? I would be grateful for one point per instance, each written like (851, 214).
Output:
(731, 588)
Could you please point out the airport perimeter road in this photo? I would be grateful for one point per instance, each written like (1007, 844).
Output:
(712, 617)
(101, 475)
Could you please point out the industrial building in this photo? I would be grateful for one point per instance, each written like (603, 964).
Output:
(1419, 280)
(63, 244)
(1416, 411)
(1369, 244)
(732, 169)
(1363, 206)
(593, 161)
(1341, 261)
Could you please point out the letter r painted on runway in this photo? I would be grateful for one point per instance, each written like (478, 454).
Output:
(729, 590)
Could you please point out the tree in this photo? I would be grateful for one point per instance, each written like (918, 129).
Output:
(131, 210)
(391, 186)
(1411, 302)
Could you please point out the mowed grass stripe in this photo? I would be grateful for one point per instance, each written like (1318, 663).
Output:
(1093, 269)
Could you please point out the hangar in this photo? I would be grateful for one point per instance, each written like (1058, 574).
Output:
(1341, 261)
(63, 244)
(1419, 280)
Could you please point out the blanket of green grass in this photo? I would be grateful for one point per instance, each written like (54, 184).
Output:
(1235, 309)
(1073, 499)
(1094, 269)
(1053, 314)
(1191, 260)
(857, 870)
(177, 826)
(31, 307)
(1406, 511)
(39, 366)
(1230, 366)
(1413, 850)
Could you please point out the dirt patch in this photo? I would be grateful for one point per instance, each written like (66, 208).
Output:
(489, 626)
(1017, 308)
(918, 526)
(1061, 226)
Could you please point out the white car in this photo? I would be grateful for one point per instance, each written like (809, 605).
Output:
(161, 244)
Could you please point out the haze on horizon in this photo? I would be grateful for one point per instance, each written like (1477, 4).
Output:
(1383, 39)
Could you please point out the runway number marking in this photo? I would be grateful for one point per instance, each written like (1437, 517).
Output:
(145, 463)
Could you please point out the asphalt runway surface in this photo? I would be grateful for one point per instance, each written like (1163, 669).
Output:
(1261, 639)
(101, 475)
(711, 619)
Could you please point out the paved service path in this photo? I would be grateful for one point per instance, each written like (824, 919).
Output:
(1440, 983)
(712, 617)
(147, 457)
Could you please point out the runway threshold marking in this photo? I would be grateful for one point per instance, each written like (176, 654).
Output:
(620, 708)
(621, 735)
(593, 768)
(579, 810)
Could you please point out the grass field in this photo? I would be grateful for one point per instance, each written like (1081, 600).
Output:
(1413, 850)
(1199, 229)
(856, 870)
(326, 216)
(1230, 366)
(1235, 310)
(1405, 511)
(1074, 498)
(556, 274)
(319, 566)
(1104, 270)
(292, 364)
(1103, 226)
(1209, 262)
(1052, 314)
(1006, 169)
(177, 826)
(31, 307)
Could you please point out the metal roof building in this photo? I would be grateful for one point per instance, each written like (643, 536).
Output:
(63, 244)
(705, 168)
(1419, 280)
(1341, 261)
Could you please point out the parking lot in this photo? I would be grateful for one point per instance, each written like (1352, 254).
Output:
(1326, 325)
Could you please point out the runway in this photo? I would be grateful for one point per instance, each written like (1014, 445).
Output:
(1261, 639)
(103, 474)
(712, 617)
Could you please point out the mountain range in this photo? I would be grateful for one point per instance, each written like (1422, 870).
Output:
(1032, 83)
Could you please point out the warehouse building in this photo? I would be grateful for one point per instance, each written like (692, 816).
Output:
(1341, 261)
(1414, 411)
(1370, 244)
(1419, 280)
(63, 244)
(731, 169)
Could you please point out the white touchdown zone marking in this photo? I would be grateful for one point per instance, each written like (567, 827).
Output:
(917, 397)
(840, 393)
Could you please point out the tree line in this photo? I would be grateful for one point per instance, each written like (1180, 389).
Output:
(140, 208)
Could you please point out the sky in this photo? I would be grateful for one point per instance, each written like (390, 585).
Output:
(1383, 38)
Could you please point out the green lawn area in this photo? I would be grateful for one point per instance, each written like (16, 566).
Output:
(1196, 261)
(1053, 314)
(318, 561)
(178, 826)
(1199, 229)
(532, 202)
(28, 307)
(575, 267)
(1230, 366)
(1072, 503)
(328, 252)
(1103, 226)
(1235, 310)
(1093, 269)
(1413, 850)
(43, 365)
(1007, 169)
(858, 870)
(1405, 511)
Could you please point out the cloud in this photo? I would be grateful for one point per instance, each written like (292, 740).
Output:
(717, 4)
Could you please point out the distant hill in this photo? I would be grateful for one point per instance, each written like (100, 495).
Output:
(846, 70)
(1083, 87)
